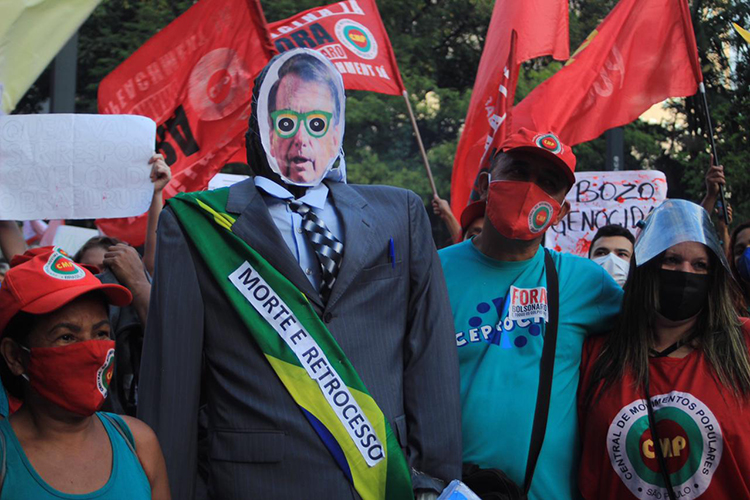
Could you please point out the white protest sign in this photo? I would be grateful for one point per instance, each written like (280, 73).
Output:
(72, 238)
(622, 197)
(224, 180)
(65, 166)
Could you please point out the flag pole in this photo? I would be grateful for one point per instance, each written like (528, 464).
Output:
(702, 89)
(421, 146)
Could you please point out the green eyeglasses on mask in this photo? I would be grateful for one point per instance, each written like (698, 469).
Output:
(286, 122)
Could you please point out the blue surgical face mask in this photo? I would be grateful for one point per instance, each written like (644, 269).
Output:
(743, 266)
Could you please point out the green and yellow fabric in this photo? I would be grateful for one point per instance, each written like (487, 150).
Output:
(300, 349)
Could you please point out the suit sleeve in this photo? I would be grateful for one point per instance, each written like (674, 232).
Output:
(431, 377)
(170, 374)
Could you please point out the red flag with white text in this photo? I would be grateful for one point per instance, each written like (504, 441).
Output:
(642, 53)
(541, 28)
(351, 34)
(194, 79)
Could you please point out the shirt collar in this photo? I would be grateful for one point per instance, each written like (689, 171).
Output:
(314, 197)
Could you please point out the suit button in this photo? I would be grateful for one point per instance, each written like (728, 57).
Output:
(327, 317)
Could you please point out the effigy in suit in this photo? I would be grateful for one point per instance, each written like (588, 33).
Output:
(334, 382)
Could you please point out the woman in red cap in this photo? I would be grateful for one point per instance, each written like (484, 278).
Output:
(59, 359)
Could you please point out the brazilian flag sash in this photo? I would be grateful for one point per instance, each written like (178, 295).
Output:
(303, 353)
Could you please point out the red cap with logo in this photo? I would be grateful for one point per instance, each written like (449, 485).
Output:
(472, 212)
(44, 279)
(547, 146)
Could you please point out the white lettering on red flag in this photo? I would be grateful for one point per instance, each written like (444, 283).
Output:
(352, 35)
(541, 28)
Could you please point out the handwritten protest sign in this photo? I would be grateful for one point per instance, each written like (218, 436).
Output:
(600, 198)
(75, 166)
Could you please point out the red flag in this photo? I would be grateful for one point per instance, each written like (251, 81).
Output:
(542, 29)
(642, 53)
(351, 34)
(194, 79)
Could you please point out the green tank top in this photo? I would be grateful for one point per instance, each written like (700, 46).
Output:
(127, 481)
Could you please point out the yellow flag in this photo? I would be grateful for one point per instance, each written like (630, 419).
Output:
(745, 34)
(32, 32)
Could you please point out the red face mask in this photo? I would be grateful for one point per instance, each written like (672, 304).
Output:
(75, 377)
(520, 210)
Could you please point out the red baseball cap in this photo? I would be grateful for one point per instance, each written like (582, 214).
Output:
(44, 279)
(547, 146)
(472, 212)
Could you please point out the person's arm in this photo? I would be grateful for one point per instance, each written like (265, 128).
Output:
(11, 239)
(431, 378)
(151, 458)
(723, 230)
(598, 297)
(170, 376)
(160, 176)
(127, 267)
(442, 209)
(714, 180)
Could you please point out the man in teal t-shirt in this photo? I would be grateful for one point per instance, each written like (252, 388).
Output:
(497, 287)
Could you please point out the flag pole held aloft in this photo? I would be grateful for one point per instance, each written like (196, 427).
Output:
(419, 141)
(709, 125)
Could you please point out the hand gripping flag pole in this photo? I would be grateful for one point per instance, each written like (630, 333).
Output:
(687, 24)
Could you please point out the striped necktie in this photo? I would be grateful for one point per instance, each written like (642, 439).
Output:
(327, 247)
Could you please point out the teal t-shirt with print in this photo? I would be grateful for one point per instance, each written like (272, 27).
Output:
(500, 366)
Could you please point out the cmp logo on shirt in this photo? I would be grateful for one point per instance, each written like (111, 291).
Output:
(689, 437)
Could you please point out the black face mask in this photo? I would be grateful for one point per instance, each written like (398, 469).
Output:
(682, 295)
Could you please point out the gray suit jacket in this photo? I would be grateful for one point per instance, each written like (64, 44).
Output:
(394, 324)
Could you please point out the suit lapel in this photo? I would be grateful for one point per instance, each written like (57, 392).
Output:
(257, 229)
(357, 217)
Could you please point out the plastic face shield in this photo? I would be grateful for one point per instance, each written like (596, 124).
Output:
(674, 222)
(301, 118)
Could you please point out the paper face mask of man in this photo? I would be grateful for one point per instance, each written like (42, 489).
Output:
(301, 116)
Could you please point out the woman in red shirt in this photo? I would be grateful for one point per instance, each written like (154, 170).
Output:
(664, 399)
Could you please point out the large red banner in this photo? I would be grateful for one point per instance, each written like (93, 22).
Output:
(351, 34)
(194, 79)
(642, 53)
(541, 28)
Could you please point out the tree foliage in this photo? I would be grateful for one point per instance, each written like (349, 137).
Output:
(438, 44)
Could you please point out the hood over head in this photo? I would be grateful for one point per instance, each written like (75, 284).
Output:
(296, 130)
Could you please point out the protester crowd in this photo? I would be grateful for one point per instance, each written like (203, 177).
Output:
(296, 336)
